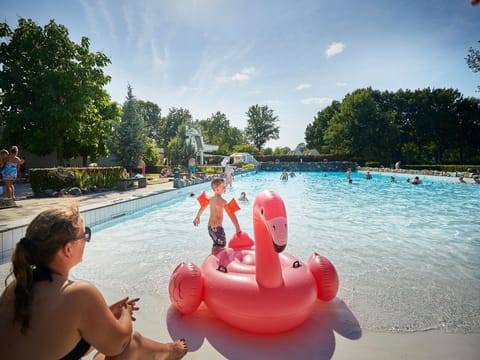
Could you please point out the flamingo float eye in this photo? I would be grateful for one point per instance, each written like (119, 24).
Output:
(261, 211)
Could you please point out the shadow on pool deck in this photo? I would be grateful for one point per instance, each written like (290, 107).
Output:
(314, 339)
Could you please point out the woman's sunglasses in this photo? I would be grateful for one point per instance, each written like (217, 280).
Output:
(87, 235)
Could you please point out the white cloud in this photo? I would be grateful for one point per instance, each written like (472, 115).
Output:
(317, 101)
(240, 77)
(244, 75)
(341, 84)
(335, 48)
(303, 86)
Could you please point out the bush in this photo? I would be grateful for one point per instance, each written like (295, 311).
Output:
(210, 169)
(444, 167)
(374, 164)
(64, 178)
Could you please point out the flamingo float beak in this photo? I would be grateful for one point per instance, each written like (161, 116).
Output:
(277, 228)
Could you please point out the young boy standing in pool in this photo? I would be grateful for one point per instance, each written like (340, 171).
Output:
(217, 205)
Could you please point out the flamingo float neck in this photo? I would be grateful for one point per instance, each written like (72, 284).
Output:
(270, 232)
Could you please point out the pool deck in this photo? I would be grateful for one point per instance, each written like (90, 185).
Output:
(28, 206)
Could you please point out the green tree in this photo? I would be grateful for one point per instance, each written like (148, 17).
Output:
(285, 150)
(425, 125)
(216, 130)
(92, 127)
(177, 150)
(473, 61)
(152, 118)
(467, 134)
(261, 125)
(171, 124)
(360, 128)
(314, 133)
(248, 148)
(267, 151)
(129, 138)
(52, 95)
(151, 156)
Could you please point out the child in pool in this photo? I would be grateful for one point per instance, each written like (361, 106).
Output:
(217, 205)
(416, 181)
(243, 196)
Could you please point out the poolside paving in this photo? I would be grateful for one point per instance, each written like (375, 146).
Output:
(27, 206)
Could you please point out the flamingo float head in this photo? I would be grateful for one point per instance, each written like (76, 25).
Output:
(271, 236)
(270, 220)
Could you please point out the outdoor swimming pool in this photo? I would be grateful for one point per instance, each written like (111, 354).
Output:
(408, 257)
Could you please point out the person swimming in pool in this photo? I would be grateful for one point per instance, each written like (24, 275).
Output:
(243, 196)
(416, 181)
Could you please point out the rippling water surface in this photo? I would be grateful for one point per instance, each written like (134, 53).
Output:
(408, 257)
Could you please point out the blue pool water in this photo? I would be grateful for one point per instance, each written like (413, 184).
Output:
(408, 257)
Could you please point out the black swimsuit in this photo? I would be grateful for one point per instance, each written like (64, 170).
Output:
(42, 274)
(78, 351)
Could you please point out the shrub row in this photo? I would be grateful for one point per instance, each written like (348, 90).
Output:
(443, 167)
(81, 177)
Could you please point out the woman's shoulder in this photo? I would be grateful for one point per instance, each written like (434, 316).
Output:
(81, 291)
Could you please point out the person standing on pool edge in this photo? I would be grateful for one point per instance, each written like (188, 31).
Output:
(217, 205)
(191, 166)
(45, 315)
(10, 166)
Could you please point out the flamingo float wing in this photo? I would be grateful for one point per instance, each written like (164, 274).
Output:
(186, 288)
(325, 276)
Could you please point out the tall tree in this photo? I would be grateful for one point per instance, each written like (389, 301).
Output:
(152, 118)
(467, 134)
(360, 128)
(179, 150)
(104, 116)
(172, 122)
(216, 130)
(473, 61)
(129, 139)
(174, 137)
(261, 125)
(52, 91)
(315, 131)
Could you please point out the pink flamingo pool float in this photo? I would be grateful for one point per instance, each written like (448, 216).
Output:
(254, 285)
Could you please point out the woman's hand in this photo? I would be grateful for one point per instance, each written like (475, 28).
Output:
(124, 304)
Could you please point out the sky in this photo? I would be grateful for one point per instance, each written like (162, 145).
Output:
(296, 57)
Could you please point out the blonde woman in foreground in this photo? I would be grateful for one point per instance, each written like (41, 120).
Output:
(44, 315)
